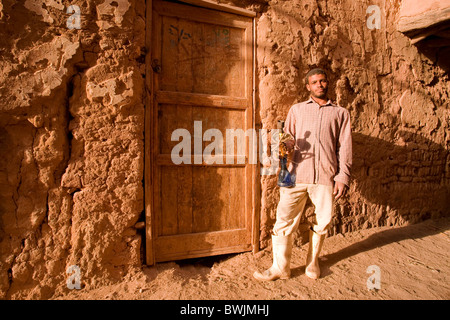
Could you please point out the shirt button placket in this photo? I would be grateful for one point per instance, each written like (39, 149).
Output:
(317, 149)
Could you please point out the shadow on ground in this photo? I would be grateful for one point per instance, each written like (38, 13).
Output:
(377, 240)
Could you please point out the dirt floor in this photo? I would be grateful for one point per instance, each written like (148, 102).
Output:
(413, 261)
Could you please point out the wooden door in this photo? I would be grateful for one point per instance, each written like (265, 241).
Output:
(202, 66)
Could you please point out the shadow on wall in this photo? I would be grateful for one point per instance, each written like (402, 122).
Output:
(400, 183)
(436, 53)
(433, 42)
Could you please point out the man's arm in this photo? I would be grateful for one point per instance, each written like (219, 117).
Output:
(289, 127)
(344, 156)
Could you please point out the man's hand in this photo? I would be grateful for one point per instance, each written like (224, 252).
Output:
(289, 145)
(339, 189)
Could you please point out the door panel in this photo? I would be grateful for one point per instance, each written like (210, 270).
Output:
(190, 55)
(172, 117)
(203, 73)
(200, 199)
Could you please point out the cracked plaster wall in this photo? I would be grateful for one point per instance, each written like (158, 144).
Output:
(71, 140)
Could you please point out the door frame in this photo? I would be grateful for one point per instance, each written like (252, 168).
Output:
(149, 117)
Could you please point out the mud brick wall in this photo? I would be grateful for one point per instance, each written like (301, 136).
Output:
(71, 136)
(72, 127)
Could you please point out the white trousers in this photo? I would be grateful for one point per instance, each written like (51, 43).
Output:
(292, 204)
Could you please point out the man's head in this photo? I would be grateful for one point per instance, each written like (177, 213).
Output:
(317, 83)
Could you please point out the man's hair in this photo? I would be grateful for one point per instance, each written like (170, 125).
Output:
(313, 72)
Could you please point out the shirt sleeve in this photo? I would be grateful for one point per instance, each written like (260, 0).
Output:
(289, 124)
(344, 150)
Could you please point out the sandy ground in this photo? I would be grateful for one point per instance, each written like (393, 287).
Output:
(413, 263)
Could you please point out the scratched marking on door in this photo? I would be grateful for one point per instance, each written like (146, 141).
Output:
(218, 38)
(179, 34)
(221, 38)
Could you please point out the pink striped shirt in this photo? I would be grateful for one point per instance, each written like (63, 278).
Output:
(323, 148)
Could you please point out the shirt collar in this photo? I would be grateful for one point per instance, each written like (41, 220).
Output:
(311, 100)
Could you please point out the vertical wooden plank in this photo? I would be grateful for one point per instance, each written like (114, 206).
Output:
(214, 72)
(198, 58)
(221, 195)
(148, 164)
(167, 123)
(217, 186)
(185, 193)
(169, 56)
(248, 54)
(236, 174)
(237, 61)
(236, 204)
(201, 218)
(256, 178)
(184, 55)
(209, 205)
(169, 201)
(156, 170)
(176, 182)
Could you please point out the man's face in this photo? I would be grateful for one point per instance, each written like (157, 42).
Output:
(318, 86)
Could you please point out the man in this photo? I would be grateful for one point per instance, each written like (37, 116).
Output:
(321, 160)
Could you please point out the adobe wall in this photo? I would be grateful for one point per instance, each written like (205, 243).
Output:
(72, 127)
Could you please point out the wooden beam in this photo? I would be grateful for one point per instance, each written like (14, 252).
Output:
(205, 100)
(256, 178)
(422, 14)
(221, 7)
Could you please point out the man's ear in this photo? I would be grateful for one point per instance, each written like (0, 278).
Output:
(308, 88)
